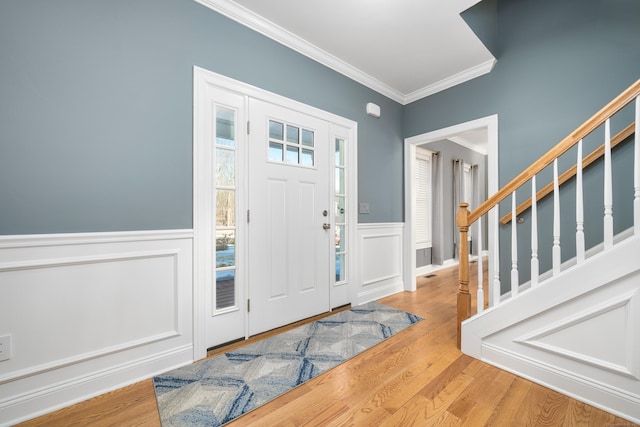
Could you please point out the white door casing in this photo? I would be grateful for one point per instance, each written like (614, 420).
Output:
(491, 124)
(211, 89)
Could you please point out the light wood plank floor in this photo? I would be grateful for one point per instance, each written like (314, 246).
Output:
(416, 378)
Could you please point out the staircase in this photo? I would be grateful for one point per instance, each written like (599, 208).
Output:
(576, 327)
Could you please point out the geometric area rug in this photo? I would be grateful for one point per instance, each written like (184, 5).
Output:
(214, 391)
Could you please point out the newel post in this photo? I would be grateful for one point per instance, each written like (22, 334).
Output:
(464, 298)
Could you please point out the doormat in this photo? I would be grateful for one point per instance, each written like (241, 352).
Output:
(217, 390)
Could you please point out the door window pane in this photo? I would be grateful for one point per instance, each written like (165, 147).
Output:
(276, 130)
(225, 289)
(340, 209)
(293, 135)
(339, 181)
(339, 152)
(340, 238)
(275, 151)
(340, 268)
(307, 157)
(225, 208)
(225, 248)
(340, 214)
(225, 167)
(307, 138)
(285, 142)
(225, 127)
(292, 155)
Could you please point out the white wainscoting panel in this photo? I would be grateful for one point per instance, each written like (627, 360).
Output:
(91, 312)
(380, 261)
(577, 333)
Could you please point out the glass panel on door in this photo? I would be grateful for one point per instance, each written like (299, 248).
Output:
(340, 214)
(225, 201)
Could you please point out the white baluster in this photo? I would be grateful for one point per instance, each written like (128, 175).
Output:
(514, 248)
(579, 208)
(495, 283)
(480, 295)
(556, 220)
(535, 263)
(608, 188)
(636, 173)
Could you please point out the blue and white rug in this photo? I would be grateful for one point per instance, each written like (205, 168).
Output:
(215, 391)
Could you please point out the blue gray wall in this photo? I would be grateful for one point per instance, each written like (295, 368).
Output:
(96, 103)
(558, 63)
(96, 112)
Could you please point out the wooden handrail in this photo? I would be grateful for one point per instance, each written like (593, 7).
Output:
(570, 173)
(585, 129)
(464, 218)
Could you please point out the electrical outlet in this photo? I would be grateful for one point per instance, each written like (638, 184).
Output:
(5, 347)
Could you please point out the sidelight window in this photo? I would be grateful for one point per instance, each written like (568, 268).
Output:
(225, 202)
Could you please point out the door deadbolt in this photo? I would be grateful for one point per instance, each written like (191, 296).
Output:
(325, 213)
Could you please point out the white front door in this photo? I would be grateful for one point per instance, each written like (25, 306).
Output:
(290, 230)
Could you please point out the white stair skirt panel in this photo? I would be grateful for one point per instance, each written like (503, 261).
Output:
(577, 333)
(380, 261)
(89, 313)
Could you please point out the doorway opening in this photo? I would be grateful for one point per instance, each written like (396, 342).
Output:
(487, 129)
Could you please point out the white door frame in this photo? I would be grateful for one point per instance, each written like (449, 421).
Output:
(491, 124)
(202, 211)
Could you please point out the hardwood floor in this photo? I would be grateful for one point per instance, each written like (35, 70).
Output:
(416, 378)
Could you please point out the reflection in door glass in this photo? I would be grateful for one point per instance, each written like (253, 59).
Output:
(225, 220)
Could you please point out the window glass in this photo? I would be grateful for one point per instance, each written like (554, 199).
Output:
(286, 144)
(225, 167)
(225, 291)
(307, 138)
(292, 155)
(225, 208)
(293, 135)
(275, 151)
(225, 126)
(339, 152)
(307, 157)
(276, 130)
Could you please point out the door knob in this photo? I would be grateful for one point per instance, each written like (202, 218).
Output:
(326, 226)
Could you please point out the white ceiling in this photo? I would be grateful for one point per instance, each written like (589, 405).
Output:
(404, 49)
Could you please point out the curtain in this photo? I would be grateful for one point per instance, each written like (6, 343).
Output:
(458, 195)
(465, 189)
(437, 236)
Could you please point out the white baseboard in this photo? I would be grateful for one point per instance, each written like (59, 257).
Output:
(424, 270)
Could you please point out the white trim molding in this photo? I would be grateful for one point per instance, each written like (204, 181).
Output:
(275, 32)
(490, 123)
(110, 309)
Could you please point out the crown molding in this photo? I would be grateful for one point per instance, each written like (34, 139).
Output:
(275, 32)
(454, 80)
